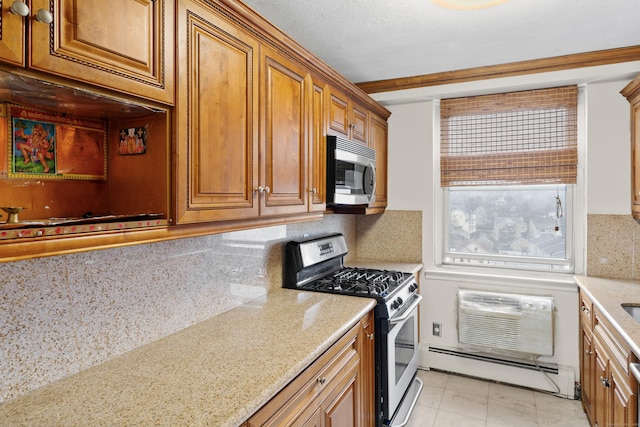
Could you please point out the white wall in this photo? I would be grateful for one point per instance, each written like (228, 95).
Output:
(608, 150)
(411, 186)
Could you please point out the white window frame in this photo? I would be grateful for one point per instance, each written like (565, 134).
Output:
(575, 211)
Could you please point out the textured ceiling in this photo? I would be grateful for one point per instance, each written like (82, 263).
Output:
(369, 40)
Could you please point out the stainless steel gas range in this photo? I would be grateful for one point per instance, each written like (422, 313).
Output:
(317, 264)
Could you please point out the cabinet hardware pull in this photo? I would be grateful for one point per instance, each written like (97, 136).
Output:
(588, 352)
(259, 189)
(604, 381)
(313, 191)
(370, 336)
(322, 380)
(19, 8)
(267, 189)
(44, 16)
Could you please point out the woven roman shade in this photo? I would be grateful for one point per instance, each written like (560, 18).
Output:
(515, 138)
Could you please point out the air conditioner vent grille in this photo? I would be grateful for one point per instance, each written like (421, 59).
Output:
(506, 322)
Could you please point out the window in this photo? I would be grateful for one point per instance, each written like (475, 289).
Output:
(508, 171)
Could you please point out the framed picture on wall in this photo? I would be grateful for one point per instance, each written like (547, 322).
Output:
(55, 146)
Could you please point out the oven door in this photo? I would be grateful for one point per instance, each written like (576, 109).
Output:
(402, 354)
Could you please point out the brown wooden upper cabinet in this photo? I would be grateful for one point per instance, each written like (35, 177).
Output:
(347, 118)
(284, 143)
(125, 45)
(217, 118)
(632, 93)
(246, 124)
(317, 146)
(378, 131)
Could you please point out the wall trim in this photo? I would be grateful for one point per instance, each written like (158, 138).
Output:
(557, 63)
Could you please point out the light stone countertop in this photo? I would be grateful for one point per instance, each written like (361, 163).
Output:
(607, 295)
(217, 372)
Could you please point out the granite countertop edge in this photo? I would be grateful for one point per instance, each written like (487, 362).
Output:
(221, 370)
(608, 295)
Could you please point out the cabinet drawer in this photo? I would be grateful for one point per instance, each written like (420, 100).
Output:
(586, 309)
(298, 400)
(620, 353)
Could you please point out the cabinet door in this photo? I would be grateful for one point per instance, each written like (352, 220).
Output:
(217, 151)
(622, 399)
(348, 119)
(339, 113)
(359, 123)
(12, 35)
(125, 45)
(367, 373)
(587, 367)
(343, 411)
(635, 152)
(378, 141)
(317, 149)
(283, 144)
(341, 408)
(601, 402)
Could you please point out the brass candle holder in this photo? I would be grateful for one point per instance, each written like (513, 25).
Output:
(13, 214)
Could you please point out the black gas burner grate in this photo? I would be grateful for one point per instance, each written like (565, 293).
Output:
(359, 281)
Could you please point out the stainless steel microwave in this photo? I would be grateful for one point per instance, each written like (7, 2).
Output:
(351, 172)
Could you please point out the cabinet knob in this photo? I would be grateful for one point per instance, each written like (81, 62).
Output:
(313, 191)
(44, 16)
(604, 381)
(370, 336)
(259, 189)
(19, 8)
(267, 189)
(322, 380)
(588, 352)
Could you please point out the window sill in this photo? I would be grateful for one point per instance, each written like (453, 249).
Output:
(494, 276)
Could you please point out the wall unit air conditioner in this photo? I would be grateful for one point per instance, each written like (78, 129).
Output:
(504, 322)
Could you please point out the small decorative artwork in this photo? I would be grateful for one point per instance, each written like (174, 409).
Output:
(34, 147)
(52, 145)
(133, 141)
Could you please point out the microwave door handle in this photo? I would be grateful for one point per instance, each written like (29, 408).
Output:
(372, 165)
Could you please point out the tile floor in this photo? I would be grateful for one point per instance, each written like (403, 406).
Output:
(449, 400)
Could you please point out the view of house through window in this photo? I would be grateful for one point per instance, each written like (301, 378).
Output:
(509, 226)
(508, 168)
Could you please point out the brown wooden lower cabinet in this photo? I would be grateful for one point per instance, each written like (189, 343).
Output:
(608, 388)
(333, 391)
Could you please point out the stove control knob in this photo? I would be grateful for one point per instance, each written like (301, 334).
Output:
(394, 305)
(399, 301)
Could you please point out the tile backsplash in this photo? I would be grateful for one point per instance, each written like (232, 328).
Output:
(60, 315)
(611, 246)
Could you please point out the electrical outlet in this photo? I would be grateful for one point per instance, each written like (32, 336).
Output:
(437, 329)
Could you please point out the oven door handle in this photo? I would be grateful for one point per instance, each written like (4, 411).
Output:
(407, 312)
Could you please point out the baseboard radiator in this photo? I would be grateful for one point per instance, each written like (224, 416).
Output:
(506, 323)
(500, 338)
(557, 379)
